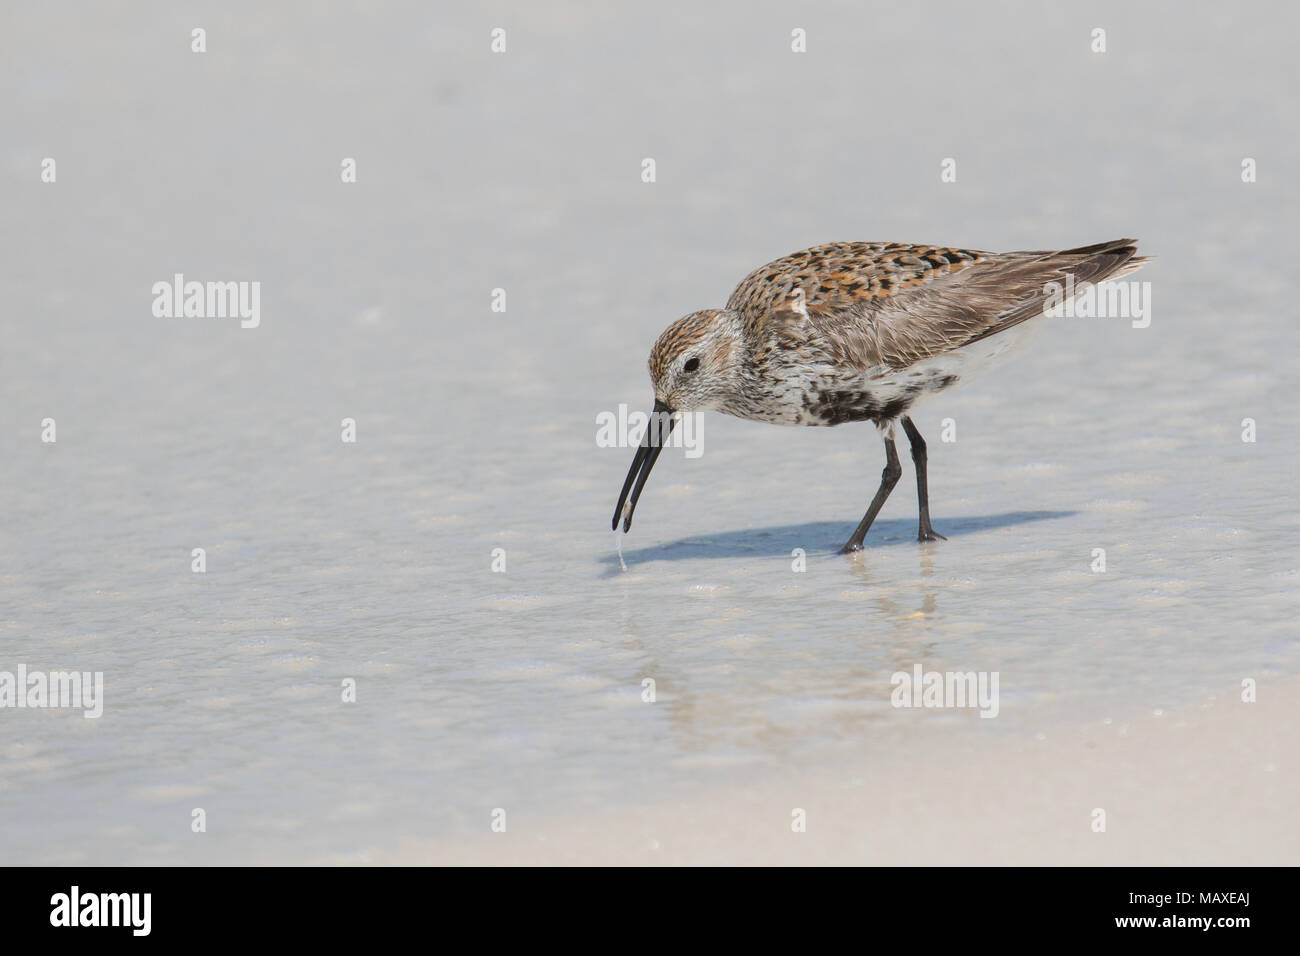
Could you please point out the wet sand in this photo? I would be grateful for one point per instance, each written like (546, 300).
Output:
(1214, 783)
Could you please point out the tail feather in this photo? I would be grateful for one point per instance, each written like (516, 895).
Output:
(1105, 260)
(1084, 266)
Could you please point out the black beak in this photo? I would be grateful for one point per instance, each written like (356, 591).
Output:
(656, 435)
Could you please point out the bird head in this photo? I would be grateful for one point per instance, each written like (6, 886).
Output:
(694, 365)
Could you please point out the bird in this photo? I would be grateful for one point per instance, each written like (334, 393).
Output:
(858, 331)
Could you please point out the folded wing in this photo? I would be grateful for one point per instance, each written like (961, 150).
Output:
(893, 304)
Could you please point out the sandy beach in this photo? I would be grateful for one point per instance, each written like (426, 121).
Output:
(1212, 784)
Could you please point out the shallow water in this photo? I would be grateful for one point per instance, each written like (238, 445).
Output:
(476, 429)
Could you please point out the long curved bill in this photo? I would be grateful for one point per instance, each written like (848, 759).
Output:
(661, 424)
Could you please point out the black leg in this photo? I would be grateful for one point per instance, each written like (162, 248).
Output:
(888, 478)
(926, 533)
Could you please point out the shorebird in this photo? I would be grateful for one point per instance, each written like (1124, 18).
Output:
(858, 331)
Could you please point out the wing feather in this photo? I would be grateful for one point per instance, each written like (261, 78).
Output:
(893, 304)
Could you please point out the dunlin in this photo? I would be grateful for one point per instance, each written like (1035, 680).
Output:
(857, 331)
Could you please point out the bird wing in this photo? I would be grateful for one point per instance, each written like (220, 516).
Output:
(893, 304)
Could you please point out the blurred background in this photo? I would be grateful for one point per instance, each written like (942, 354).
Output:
(521, 170)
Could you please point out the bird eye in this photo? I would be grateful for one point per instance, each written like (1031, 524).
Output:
(691, 365)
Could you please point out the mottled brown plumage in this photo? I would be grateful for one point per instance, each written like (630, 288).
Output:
(859, 331)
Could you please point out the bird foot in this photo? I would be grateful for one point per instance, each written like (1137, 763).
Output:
(929, 534)
(851, 547)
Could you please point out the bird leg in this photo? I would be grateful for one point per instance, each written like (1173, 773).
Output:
(888, 478)
(926, 533)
